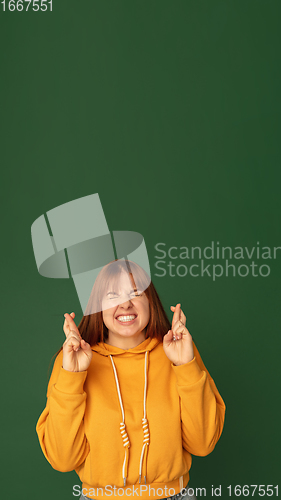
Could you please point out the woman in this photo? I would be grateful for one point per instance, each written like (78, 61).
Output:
(126, 367)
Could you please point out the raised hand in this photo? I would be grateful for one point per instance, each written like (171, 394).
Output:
(177, 343)
(77, 353)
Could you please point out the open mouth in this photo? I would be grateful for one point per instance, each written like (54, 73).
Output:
(127, 319)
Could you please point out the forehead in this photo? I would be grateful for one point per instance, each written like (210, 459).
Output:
(122, 281)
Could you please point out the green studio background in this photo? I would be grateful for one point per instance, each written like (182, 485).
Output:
(171, 112)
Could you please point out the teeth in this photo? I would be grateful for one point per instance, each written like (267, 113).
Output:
(126, 318)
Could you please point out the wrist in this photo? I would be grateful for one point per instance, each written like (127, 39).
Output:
(70, 382)
(184, 362)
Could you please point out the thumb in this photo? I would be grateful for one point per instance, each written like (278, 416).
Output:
(85, 346)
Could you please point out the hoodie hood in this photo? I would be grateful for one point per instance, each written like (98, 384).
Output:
(110, 351)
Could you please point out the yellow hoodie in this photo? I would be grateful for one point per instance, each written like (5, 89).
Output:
(133, 418)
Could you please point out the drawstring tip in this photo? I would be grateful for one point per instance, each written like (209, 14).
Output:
(140, 479)
(124, 481)
(144, 479)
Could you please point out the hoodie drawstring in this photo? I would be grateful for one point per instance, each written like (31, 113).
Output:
(125, 438)
(144, 452)
(126, 442)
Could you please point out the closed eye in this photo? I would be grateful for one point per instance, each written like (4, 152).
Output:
(135, 294)
(112, 295)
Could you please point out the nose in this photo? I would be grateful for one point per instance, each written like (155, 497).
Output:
(127, 304)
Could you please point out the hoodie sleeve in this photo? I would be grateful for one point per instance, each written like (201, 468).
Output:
(202, 407)
(60, 427)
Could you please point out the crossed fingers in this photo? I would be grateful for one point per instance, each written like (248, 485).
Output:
(178, 323)
(178, 330)
(73, 337)
(181, 317)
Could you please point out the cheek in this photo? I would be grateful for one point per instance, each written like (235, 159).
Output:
(146, 312)
(107, 316)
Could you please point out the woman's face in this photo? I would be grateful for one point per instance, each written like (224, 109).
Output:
(125, 314)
